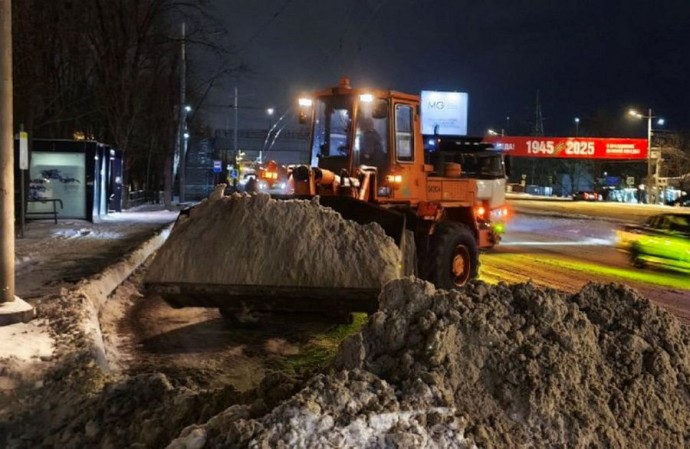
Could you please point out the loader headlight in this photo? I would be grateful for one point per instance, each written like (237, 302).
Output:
(394, 181)
(480, 212)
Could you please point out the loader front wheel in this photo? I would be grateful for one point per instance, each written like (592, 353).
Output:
(453, 257)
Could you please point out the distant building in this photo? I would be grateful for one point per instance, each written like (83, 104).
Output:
(288, 147)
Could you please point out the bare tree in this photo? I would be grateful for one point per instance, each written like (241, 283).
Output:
(675, 155)
(110, 71)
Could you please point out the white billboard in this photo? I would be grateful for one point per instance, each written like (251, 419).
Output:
(444, 113)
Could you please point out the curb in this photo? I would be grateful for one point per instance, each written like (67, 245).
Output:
(97, 288)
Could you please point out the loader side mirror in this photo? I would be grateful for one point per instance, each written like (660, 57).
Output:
(507, 164)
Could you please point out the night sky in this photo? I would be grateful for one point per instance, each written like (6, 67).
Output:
(588, 59)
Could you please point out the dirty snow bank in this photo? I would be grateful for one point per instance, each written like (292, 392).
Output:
(534, 367)
(352, 409)
(253, 239)
(496, 366)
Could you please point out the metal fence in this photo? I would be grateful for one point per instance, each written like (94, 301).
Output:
(140, 197)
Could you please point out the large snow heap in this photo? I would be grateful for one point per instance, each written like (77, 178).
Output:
(254, 239)
(497, 366)
(533, 367)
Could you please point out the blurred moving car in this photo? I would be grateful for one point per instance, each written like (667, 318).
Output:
(586, 196)
(662, 240)
(683, 201)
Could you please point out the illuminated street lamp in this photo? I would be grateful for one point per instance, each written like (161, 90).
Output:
(577, 125)
(270, 112)
(649, 118)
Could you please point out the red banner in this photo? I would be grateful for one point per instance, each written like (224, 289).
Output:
(570, 147)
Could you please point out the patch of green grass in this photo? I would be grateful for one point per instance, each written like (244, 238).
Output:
(321, 349)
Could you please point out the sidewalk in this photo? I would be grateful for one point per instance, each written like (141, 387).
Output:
(52, 256)
(93, 258)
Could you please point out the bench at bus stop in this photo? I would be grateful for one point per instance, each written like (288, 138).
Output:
(37, 215)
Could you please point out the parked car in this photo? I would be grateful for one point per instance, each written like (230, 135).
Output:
(662, 240)
(586, 196)
(683, 201)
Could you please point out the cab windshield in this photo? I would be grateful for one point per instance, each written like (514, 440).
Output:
(332, 126)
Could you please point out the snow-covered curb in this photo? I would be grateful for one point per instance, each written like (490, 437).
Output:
(97, 289)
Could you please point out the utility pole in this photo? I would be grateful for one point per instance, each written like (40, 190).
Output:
(6, 155)
(538, 119)
(235, 106)
(651, 196)
(12, 309)
(182, 136)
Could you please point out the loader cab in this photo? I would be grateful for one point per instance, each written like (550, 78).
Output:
(331, 141)
(350, 129)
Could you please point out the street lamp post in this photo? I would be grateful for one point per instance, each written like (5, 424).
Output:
(650, 171)
(577, 125)
(269, 112)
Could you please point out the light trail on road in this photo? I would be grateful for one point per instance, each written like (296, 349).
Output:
(567, 253)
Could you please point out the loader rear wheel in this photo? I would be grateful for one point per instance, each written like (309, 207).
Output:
(453, 257)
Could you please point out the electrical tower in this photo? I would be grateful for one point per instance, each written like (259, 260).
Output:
(538, 119)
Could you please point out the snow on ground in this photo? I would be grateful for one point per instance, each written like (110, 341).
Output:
(26, 341)
(505, 366)
(72, 254)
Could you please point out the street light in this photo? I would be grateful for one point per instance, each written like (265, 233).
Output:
(649, 118)
(270, 112)
(577, 125)
(491, 132)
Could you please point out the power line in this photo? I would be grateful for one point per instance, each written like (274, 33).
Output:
(261, 30)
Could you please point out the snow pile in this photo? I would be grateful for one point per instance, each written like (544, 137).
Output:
(347, 410)
(144, 411)
(495, 366)
(535, 368)
(499, 366)
(253, 239)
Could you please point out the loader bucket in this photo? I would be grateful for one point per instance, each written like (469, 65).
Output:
(269, 298)
(321, 300)
(392, 222)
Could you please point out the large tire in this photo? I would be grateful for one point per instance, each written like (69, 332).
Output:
(453, 257)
